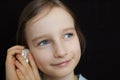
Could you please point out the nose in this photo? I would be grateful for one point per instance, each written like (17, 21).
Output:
(60, 50)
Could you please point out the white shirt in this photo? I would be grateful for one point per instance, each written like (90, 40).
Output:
(81, 77)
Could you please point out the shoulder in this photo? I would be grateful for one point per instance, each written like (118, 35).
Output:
(80, 77)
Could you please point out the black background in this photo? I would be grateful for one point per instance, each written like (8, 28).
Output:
(96, 17)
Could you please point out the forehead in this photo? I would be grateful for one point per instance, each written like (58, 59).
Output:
(55, 21)
(53, 12)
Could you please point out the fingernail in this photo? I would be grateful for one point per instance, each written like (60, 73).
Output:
(16, 61)
(18, 56)
(17, 70)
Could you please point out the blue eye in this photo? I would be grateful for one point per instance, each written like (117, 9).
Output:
(68, 35)
(43, 43)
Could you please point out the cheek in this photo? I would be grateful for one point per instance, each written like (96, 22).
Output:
(75, 49)
(74, 46)
(77, 52)
(78, 49)
(42, 58)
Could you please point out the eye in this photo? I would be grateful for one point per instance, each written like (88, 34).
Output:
(43, 43)
(68, 35)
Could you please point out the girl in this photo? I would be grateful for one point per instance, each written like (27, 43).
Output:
(49, 30)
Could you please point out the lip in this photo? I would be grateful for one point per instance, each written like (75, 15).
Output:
(62, 63)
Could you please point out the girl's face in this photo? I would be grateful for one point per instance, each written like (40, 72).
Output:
(54, 43)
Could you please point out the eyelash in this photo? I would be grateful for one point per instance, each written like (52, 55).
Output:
(69, 35)
(46, 42)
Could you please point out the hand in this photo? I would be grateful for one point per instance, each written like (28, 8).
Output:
(26, 71)
(10, 62)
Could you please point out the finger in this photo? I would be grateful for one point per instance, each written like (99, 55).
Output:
(20, 67)
(32, 63)
(10, 59)
(22, 61)
(25, 70)
(13, 50)
(34, 67)
(19, 47)
(10, 63)
(20, 75)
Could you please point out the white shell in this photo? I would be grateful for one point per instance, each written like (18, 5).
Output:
(24, 54)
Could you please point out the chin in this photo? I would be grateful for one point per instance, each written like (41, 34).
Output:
(61, 74)
(63, 71)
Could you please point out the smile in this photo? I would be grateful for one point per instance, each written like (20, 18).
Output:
(62, 64)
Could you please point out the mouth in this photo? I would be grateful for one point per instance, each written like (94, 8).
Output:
(62, 63)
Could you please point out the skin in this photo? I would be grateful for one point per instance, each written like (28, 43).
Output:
(54, 45)
(24, 70)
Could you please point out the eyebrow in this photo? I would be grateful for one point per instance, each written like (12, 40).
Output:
(71, 28)
(46, 35)
(39, 37)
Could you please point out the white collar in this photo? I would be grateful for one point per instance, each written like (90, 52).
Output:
(82, 77)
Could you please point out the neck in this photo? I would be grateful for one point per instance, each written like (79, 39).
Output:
(71, 76)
